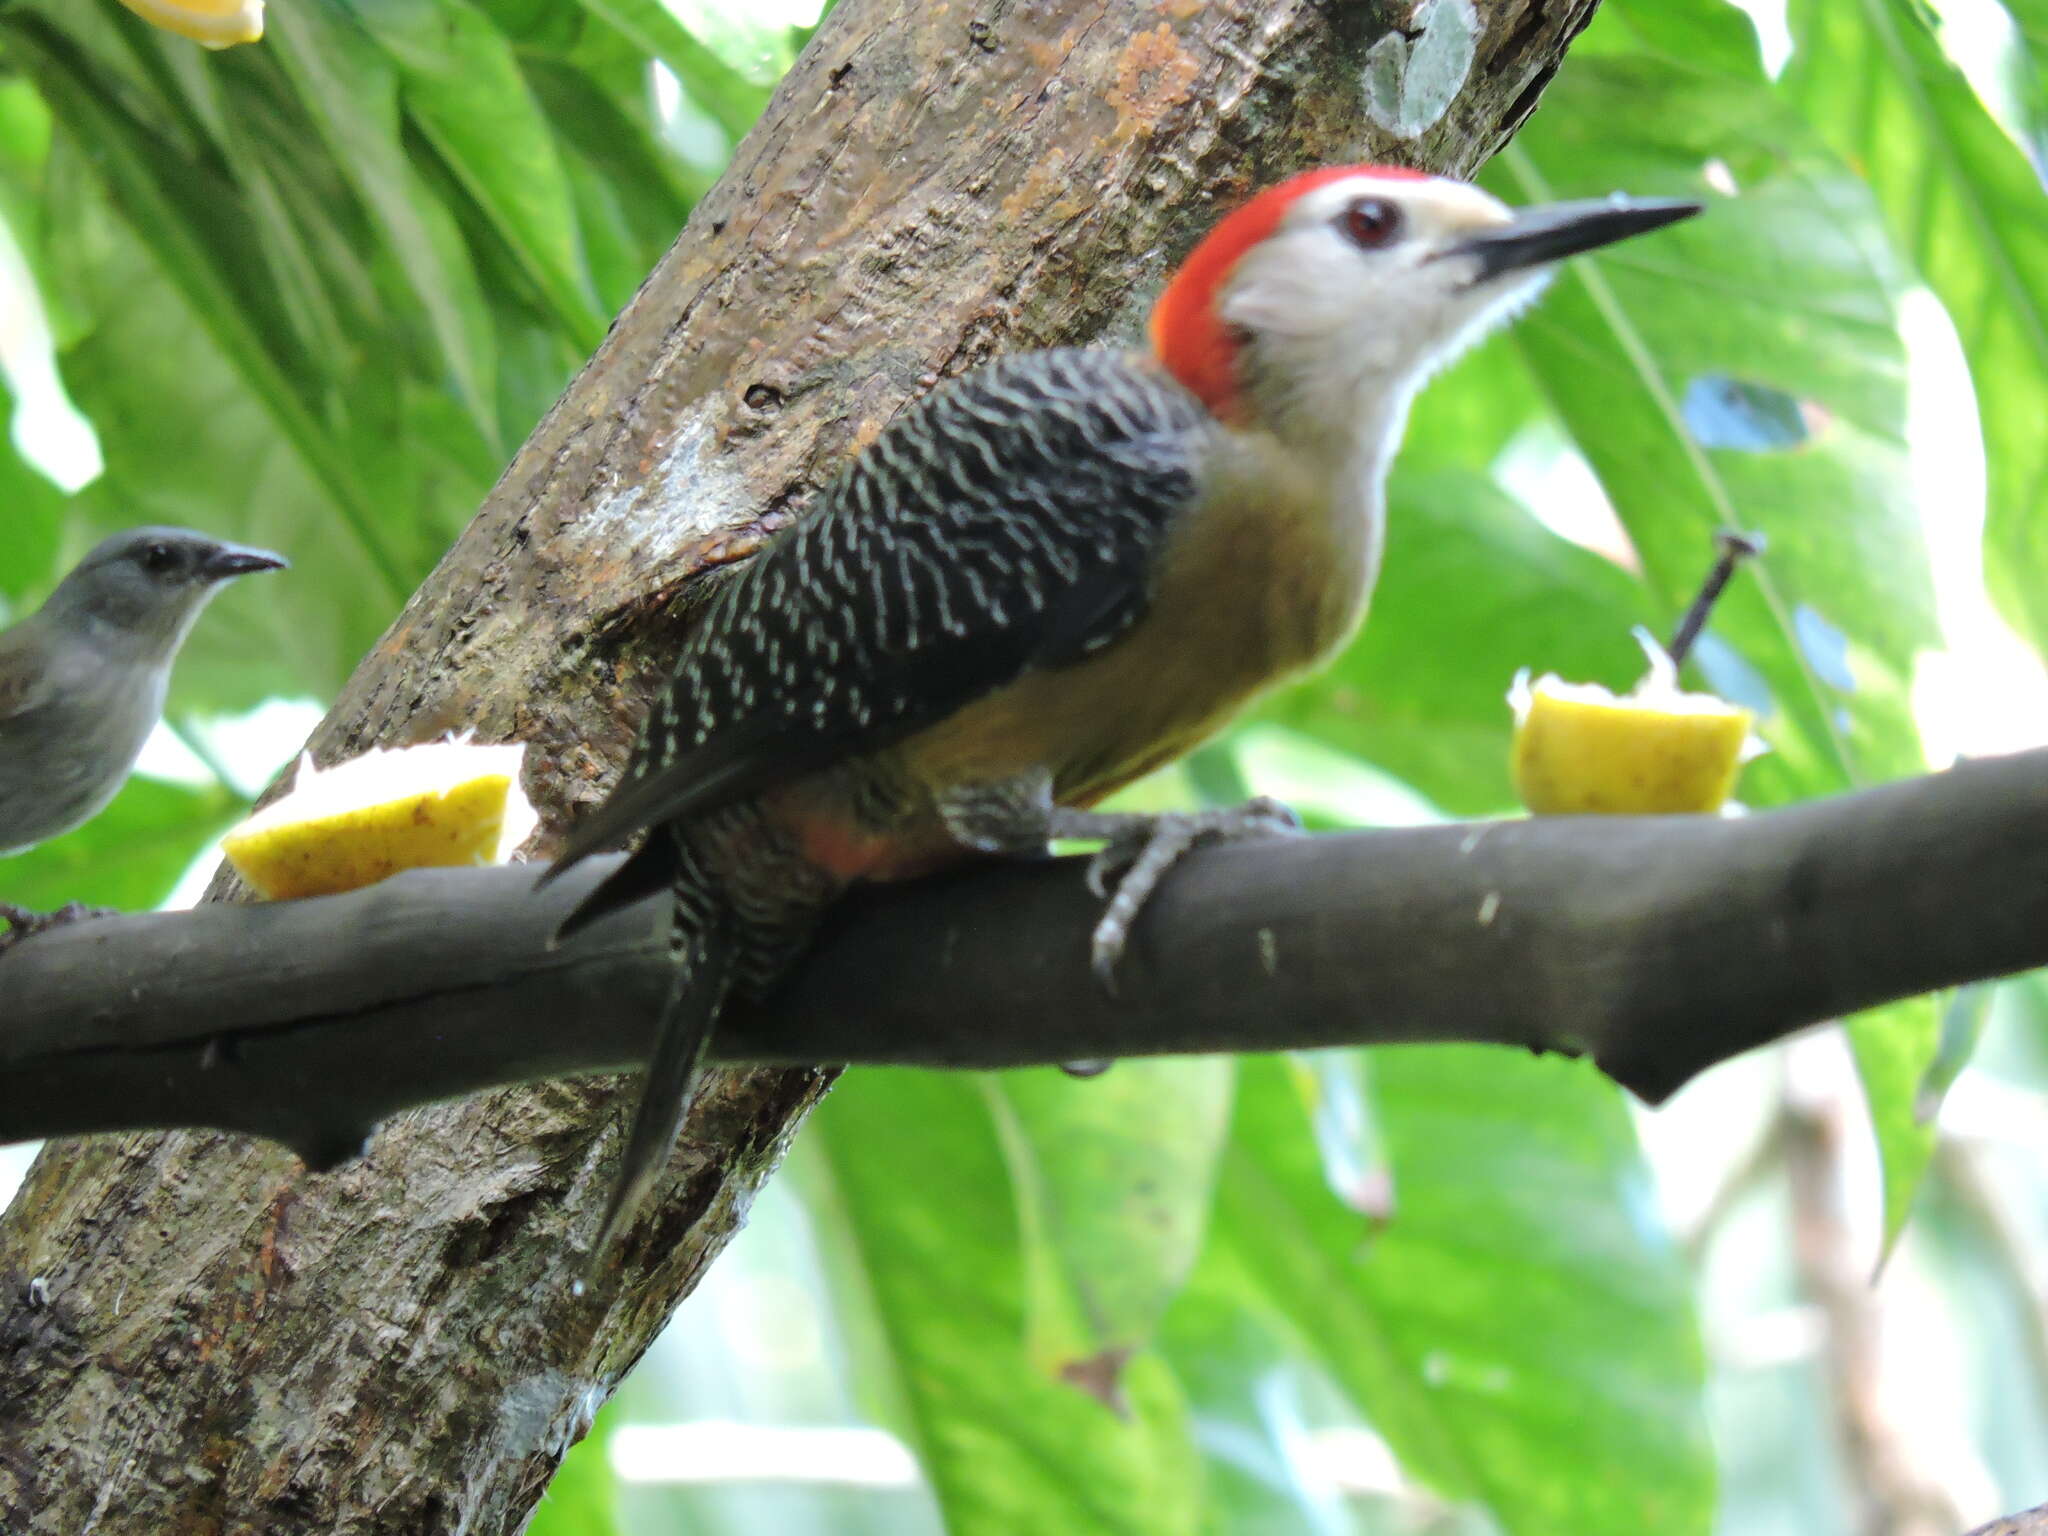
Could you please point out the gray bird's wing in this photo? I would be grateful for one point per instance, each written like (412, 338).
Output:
(1007, 522)
(23, 685)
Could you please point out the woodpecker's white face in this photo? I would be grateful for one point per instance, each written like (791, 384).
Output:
(1368, 287)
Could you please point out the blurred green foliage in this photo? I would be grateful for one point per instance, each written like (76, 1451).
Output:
(311, 294)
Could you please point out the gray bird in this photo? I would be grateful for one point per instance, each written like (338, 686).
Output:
(82, 679)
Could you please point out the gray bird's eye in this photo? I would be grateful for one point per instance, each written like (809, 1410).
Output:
(1371, 222)
(159, 558)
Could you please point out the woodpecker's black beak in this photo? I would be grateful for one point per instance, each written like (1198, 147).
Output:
(1554, 231)
(230, 560)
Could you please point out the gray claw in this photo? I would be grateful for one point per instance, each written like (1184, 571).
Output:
(1264, 814)
(1130, 865)
(1105, 951)
(1115, 859)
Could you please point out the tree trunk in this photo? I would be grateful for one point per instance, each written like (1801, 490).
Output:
(200, 1336)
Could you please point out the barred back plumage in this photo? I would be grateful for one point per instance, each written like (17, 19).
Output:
(1008, 521)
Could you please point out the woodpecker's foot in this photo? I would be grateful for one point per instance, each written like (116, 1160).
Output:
(1008, 817)
(24, 924)
(1137, 851)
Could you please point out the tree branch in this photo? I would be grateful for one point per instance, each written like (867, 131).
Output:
(1657, 945)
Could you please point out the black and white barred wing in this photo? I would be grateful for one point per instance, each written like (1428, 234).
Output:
(1010, 521)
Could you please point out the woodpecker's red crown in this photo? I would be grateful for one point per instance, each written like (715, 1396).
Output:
(1188, 330)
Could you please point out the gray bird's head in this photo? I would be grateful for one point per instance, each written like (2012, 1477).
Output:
(145, 587)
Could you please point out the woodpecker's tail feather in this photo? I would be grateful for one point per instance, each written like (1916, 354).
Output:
(704, 967)
(651, 869)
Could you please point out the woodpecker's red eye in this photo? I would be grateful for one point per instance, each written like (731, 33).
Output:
(1371, 222)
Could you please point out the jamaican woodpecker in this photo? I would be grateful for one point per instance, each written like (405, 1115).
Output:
(1049, 577)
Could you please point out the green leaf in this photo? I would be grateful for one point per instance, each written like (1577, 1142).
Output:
(351, 93)
(759, 48)
(1788, 288)
(628, 195)
(1249, 1392)
(188, 220)
(1113, 1177)
(130, 855)
(1327, 786)
(311, 232)
(1896, 1047)
(1962, 1028)
(917, 1171)
(732, 100)
(120, 46)
(1474, 589)
(1699, 34)
(34, 507)
(582, 1497)
(1469, 415)
(1785, 287)
(462, 87)
(187, 442)
(1964, 202)
(1520, 1330)
(2031, 67)
(25, 129)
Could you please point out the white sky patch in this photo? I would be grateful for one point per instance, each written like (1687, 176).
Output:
(1355, 1460)
(253, 747)
(719, 1451)
(193, 883)
(753, 38)
(1543, 470)
(1985, 691)
(168, 759)
(49, 433)
(249, 748)
(763, 15)
(1773, 33)
(1981, 40)
(14, 1161)
(1410, 84)
(693, 132)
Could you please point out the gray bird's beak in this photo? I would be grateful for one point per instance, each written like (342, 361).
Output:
(232, 560)
(1554, 231)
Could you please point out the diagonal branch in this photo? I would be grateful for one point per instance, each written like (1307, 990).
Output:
(1656, 945)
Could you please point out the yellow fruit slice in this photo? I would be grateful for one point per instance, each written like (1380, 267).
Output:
(449, 803)
(216, 23)
(1579, 749)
